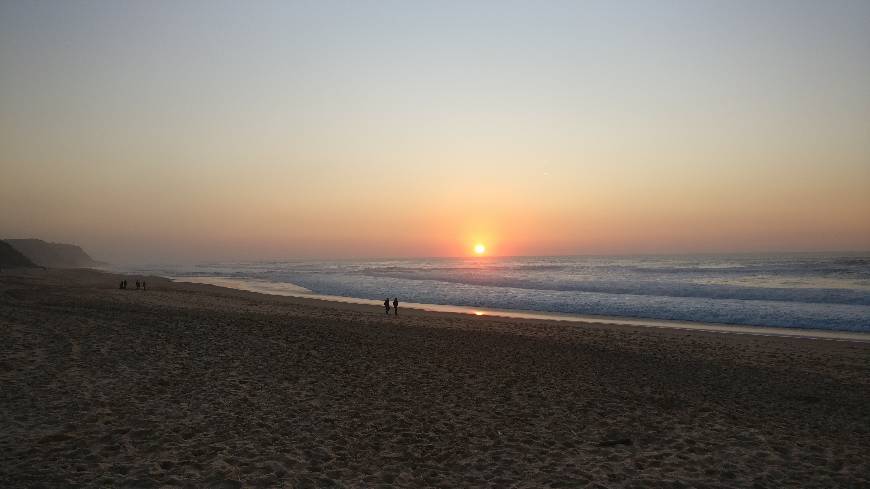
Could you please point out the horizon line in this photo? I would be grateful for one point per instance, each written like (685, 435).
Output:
(470, 257)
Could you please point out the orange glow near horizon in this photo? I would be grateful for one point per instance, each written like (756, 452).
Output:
(351, 146)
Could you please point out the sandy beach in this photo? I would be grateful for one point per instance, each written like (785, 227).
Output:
(190, 385)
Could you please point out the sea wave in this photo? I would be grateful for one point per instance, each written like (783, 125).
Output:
(793, 290)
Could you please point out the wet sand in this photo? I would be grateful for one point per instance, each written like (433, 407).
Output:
(190, 385)
(292, 290)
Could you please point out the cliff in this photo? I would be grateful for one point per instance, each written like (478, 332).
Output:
(52, 255)
(12, 258)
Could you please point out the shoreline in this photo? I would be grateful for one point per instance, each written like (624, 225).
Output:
(190, 385)
(286, 289)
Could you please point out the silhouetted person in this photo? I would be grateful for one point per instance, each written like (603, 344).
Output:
(143, 285)
(387, 305)
(395, 306)
(125, 284)
(137, 285)
(121, 285)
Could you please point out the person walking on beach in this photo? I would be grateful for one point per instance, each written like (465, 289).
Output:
(143, 285)
(387, 305)
(137, 285)
(395, 306)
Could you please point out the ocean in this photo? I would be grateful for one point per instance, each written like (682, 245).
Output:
(813, 291)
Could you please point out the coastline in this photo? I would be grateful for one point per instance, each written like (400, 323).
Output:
(190, 385)
(292, 290)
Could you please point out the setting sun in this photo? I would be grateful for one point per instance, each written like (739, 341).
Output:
(495, 202)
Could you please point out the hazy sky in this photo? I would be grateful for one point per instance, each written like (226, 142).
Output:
(187, 131)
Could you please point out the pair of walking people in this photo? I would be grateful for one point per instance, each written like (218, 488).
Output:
(123, 285)
(395, 305)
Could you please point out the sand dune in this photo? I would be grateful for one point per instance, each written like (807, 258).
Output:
(196, 386)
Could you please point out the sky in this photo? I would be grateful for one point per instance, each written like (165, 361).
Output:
(169, 131)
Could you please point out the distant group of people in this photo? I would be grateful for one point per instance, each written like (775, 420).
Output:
(139, 284)
(395, 305)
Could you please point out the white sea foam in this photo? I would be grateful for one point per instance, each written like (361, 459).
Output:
(793, 291)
